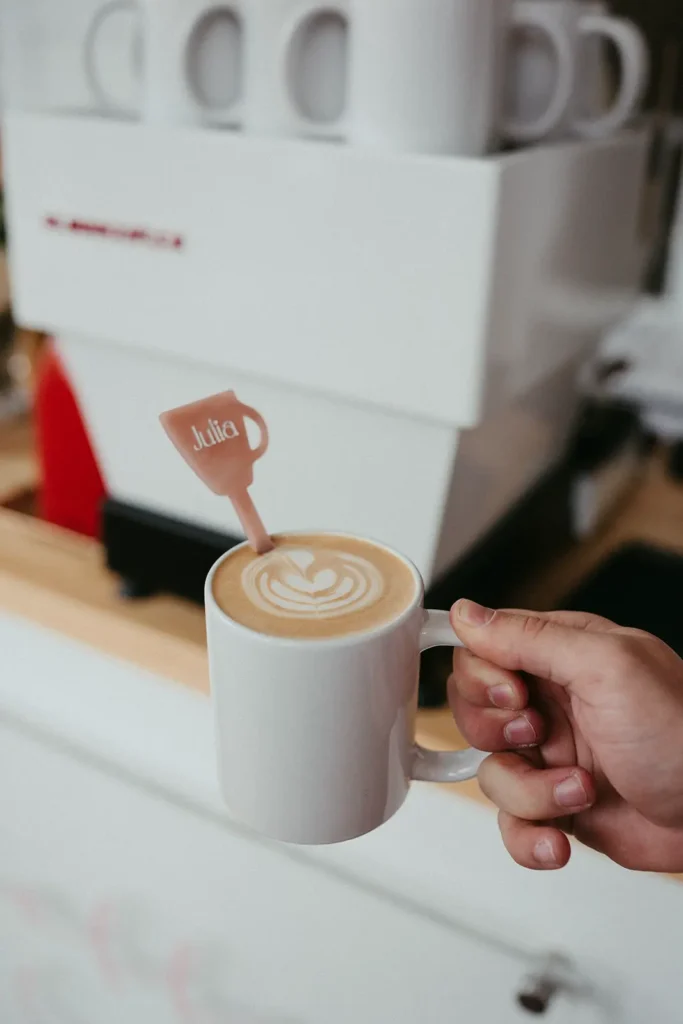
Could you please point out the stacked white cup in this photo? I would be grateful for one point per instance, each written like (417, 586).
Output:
(299, 60)
(580, 32)
(441, 77)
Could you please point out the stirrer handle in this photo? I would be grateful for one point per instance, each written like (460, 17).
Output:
(257, 535)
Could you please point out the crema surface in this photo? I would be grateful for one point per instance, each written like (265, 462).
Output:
(314, 586)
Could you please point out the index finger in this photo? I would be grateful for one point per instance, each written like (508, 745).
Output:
(529, 642)
(574, 620)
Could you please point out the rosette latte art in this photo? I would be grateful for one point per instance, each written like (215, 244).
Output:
(304, 583)
(314, 586)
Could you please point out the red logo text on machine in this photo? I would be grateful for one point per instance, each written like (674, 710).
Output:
(142, 236)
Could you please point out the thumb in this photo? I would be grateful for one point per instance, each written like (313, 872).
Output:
(524, 642)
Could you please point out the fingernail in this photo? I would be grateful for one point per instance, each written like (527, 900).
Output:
(520, 733)
(544, 852)
(472, 613)
(571, 793)
(502, 695)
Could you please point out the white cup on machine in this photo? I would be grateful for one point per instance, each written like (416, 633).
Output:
(427, 76)
(593, 71)
(297, 67)
(583, 30)
(416, 75)
(424, 75)
(421, 76)
(286, 58)
(412, 76)
(194, 62)
(186, 58)
(113, 56)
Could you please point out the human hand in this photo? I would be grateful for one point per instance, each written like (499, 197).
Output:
(585, 719)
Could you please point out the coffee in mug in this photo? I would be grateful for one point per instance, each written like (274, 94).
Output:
(314, 652)
(313, 586)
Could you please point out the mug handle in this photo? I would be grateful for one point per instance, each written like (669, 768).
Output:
(545, 20)
(632, 48)
(440, 765)
(306, 125)
(89, 65)
(260, 423)
(226, 117)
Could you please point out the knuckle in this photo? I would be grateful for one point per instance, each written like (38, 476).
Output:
(516, 786)
(461, 659)
(459, 694)
(505, 779)
(625, 653)
(467, 719)
(470, 673)
(639, 634)
(532, 805)
(513, 838)
(515, 634)
(648, 650)
(585, 621)
(460, 655)
(522, 646)
(533, 626)
(484, 780)
(470, 664)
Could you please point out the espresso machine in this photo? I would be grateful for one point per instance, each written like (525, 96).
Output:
(408, 325)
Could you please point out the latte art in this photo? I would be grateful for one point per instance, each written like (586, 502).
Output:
(303, 583)
(315, 586)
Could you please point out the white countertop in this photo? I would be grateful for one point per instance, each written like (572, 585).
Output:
(440, 854)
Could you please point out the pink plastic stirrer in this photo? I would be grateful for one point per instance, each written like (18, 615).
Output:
(212, 438)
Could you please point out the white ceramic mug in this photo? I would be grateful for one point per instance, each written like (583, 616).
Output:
(112, 57)
(630, 44)
(543, 75)
(424, 75)
(194, 52)
(297, 68)
(593, 78)
(316, 738)
(532, 67)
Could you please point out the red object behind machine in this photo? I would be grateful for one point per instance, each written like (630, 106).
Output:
(73, 489)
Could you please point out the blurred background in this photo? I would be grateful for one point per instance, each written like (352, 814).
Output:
(439, 246)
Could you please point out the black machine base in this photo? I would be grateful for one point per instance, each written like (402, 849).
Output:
(153, 552)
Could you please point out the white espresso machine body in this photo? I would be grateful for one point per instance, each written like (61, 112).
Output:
(372, 305)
